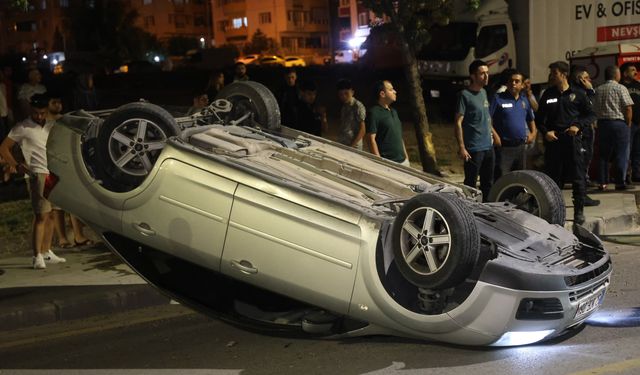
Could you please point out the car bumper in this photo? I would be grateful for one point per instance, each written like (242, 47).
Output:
(511, 317)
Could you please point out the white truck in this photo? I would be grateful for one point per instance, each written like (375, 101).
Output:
(523, 34)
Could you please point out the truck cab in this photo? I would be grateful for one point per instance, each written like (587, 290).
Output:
(485, 34)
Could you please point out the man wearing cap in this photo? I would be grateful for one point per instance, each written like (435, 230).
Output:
(31, 135)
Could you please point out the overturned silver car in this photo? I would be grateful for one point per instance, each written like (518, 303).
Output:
(279, 231)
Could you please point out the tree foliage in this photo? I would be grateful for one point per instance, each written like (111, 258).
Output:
(260, 43)
(179, 45)
(410, 22)
(107, 27)
(22, 5)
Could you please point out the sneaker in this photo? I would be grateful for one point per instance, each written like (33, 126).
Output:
(622, 187)
(50, 257)
(590, 202)
(38, 262)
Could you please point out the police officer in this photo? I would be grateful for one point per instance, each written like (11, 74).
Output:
(563, 112)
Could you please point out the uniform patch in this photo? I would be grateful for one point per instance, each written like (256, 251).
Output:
(524, 106)
(552, 100)
(572, 97)
(507, 105)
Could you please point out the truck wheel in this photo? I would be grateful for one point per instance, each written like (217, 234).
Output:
(435, 241)
(531, 191)
(129, 143)
(253, 97)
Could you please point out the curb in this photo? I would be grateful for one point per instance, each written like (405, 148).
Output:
(85, 303)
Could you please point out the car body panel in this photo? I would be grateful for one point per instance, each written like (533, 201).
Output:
(248, 59)
(291, 61)
(170, 215)
(309, 254)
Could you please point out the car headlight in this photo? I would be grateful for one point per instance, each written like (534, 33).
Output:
(522, 338)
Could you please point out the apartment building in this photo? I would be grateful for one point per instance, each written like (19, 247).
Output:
(43, 26)
(176, 18)
(297, 26)
(40, 27)
(353, 24)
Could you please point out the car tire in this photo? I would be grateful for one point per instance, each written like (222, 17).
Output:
(255, 98)
(531, 191)
(436, 242)
(124, 158)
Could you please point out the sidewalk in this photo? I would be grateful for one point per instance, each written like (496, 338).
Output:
(94, 281)
(616, 214)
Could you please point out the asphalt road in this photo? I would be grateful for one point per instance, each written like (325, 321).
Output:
(176, 339)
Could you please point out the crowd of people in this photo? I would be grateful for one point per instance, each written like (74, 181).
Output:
(494, 133)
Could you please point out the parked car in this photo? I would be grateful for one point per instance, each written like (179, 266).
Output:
(344, 57)
(249, 59)
(277, 230)
(272, 60)
(137, 66)
(291, 61)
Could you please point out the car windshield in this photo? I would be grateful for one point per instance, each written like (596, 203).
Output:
(291, 58)
(450, 42)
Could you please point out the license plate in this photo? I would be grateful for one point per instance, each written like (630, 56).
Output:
(589, 304)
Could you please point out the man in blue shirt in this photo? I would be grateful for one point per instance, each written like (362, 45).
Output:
(473, 130)
(512, 115)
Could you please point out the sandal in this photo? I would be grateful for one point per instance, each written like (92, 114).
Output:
(86, 242)
(67, 245)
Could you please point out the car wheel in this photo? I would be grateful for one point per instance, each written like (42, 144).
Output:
(435, 241)
(130, 141)
(253, 97)
(531, 191)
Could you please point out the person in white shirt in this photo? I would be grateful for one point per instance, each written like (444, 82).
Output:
(31, 135)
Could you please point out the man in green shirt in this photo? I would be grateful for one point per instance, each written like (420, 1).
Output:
(384, 129)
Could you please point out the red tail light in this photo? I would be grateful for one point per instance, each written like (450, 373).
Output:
(49, 183)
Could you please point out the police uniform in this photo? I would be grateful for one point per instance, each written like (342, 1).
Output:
(557, 112)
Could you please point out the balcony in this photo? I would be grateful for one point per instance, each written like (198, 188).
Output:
(233, 6)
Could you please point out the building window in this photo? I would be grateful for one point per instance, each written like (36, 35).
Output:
(199, 20)
(265, 17)
(26, 26)
(43, 4)
(147, 2)
(363, 19)
(180, 21)
(149, 21)
(319, 16)
(313, 42)
(296, 16)
(239, 22)
(64, 3)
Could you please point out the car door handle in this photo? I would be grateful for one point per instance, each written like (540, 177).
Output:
(244, 266)
(144, 229)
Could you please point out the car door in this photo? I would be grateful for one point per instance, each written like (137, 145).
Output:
(183, 212)
(285, 246)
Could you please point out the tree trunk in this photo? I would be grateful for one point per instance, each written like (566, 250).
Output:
(419, 111)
